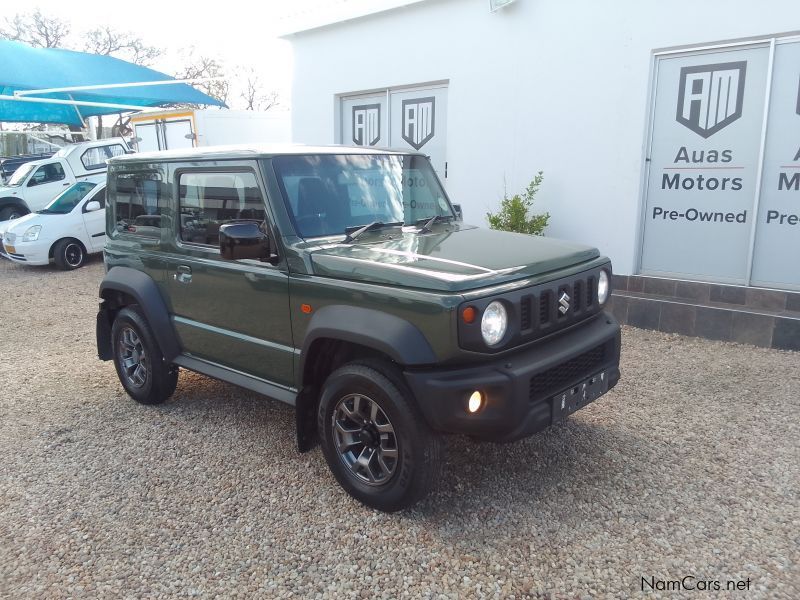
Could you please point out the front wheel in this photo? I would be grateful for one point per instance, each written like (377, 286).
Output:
(374, 438)
(69, 254)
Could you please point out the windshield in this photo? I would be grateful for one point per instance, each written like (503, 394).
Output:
(20, 174)
(328, 193)
(69, 199)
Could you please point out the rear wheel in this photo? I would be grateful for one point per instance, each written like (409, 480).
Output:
(374, 438)
(69, 254)
(138, 359)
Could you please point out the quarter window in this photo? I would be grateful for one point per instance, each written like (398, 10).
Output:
(208, 200)
(138, 201)
(95, 158)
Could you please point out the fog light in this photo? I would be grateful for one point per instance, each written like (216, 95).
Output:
(475, 402)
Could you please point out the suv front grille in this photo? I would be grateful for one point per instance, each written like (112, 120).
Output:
(538, 310)
(545, 301)
(553, 314)
(556, 378)
(525, 313)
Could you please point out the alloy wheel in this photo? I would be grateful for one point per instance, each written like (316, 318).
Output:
(365, 439)
(132, 357)
(73, 255)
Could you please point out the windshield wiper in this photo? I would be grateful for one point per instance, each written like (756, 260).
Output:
(352, 233)
(428, 223)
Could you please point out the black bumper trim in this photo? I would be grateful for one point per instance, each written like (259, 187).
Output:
(517, 404)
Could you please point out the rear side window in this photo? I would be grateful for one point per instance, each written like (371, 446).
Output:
(95, 158)
(210, 199)
(138, 203)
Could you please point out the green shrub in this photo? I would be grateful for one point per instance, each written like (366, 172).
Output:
(513, 215)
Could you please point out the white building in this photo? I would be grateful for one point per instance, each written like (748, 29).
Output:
(576, 89)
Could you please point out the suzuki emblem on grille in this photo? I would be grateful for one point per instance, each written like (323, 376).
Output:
(563, 303)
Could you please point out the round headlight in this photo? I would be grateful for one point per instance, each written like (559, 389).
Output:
(494, 323)
(32, 233)
(602, 287)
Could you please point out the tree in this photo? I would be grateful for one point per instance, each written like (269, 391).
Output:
(109, 42)
(36, 29)
(252, 95)
(201, 67)
(513, 215)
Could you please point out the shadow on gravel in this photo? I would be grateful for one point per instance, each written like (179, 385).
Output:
(579, 455)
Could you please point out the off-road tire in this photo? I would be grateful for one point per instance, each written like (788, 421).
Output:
(419, 449)
(158, 380)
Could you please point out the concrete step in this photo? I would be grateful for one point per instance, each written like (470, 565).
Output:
(756, 316)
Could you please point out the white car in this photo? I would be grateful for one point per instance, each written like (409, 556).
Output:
(65, 231)
(33, 185)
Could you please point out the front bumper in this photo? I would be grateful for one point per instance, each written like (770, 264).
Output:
(520, 389)
(29, 253)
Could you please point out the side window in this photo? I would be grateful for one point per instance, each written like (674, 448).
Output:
(138, 203)
(210, 199)
(98, 197)
(101, 198)
(47, 173)
(95, 158)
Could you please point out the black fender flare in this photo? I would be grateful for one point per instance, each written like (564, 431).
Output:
(145, 293)
(397, 338)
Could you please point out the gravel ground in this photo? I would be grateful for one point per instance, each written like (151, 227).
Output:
(689, 467)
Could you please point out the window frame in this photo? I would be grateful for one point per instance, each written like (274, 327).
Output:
(103, 165)
(94, 193)
(159, 176)
(46, 181)
(215, 169)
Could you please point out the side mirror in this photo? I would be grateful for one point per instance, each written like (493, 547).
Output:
(92, 206)
(245, 239)
(32, 182)
(458, 211)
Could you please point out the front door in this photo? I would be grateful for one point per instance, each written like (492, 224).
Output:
(47, 182)
(95, 221)
(232, 313)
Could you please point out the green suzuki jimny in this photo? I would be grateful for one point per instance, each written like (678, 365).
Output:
(342, 281)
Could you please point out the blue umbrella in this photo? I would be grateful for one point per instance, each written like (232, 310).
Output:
(23, 68)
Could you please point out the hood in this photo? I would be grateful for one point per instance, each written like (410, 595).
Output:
(9, 191)
(19, 226)
(454, 258)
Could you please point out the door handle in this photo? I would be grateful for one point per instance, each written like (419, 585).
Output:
(66, 184)
(184, 274)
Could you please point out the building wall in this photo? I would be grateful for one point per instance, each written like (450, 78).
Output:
(540, 85)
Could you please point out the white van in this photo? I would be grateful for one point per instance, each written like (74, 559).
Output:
(65, 231)
(34, 185)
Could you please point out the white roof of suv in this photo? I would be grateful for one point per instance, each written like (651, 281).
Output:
(249, 151)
